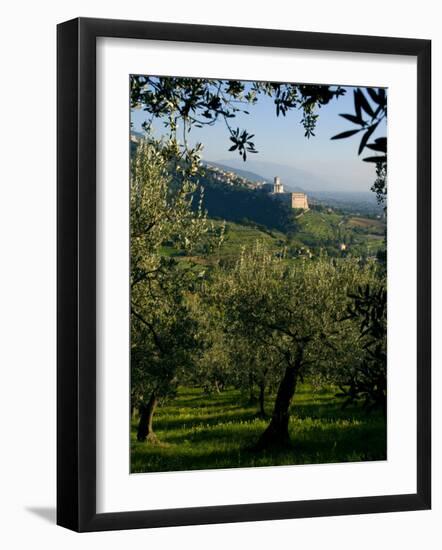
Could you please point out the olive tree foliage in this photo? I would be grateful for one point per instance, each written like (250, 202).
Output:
(163, 329)
(366, 380)
(370, 110)
(380, 184)
(255, 368)
(212, 369)
(183, 103)
(228, 359)
(294, 310)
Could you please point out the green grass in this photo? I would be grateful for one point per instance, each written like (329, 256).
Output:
(198, 431)
(236, 236)
(245, 235)
(316, 230)
(320, 225)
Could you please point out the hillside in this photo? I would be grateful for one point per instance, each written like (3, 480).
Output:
(236, 236)
(330, 230)
(243, 173)
(316, 233)
(238, 203)
(253, 215)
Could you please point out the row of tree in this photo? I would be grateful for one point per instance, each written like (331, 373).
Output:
(265, 322)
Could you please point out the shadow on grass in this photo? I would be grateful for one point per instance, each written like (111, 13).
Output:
(204, 420)
(208, 399)
(331, 411)
(230, 446)
(208, 432)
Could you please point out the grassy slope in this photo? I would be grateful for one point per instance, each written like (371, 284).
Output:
(236, 236)
(244, 235)
(199, 431)
(322, 227)
(315, 229)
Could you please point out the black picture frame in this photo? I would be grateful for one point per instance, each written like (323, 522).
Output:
(76, 274)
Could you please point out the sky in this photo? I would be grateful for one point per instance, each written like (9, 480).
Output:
(318, 163)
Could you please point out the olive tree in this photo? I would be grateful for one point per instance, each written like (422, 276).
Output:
(163, 329)
(254, 366)
(227, 358)
(212, 370)
(293, 308)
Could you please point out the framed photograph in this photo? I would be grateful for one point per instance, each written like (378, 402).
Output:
(243, 299)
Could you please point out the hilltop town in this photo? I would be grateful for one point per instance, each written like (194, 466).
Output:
(275, 190)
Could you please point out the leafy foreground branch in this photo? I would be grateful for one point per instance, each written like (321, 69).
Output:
(184, 103)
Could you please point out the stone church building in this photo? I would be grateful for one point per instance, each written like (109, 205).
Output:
(295, 200)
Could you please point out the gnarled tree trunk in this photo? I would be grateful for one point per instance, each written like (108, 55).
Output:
(145, 430)
(277, 432)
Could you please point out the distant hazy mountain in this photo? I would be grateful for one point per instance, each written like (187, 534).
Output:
(293, 179)
(243, 173)
(345, 196)
(136, 134)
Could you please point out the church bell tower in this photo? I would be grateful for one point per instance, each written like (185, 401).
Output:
(277, 185)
